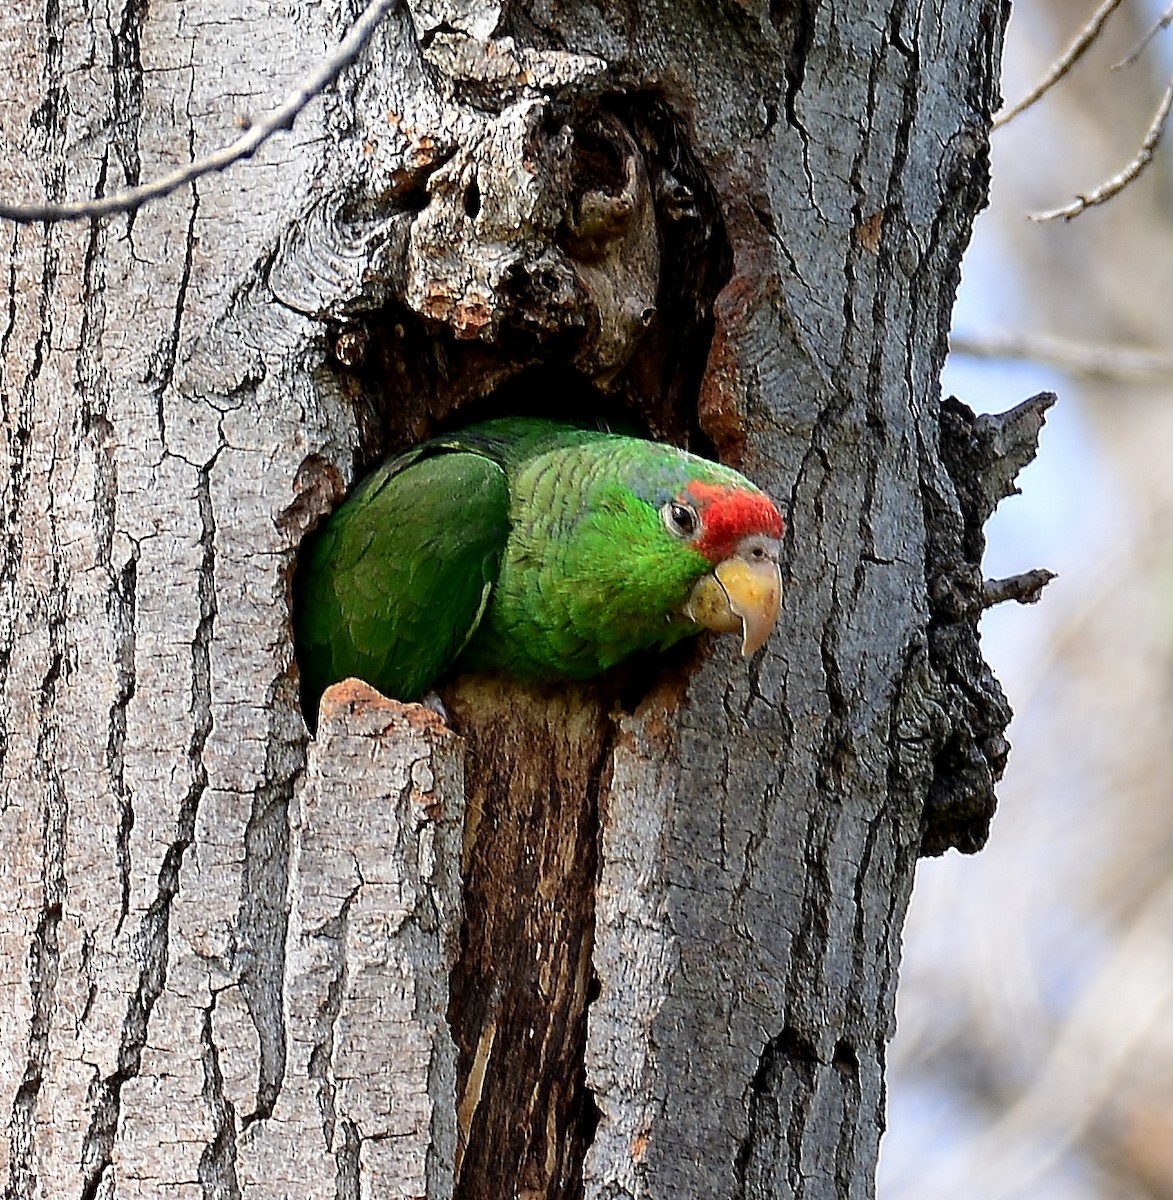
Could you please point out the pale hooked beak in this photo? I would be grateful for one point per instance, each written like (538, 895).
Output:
(742, 595)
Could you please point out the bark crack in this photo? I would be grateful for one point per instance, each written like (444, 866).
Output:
(794, 22)
(92, 387)
(17, 426)
(43, 955)
(348, 1162)
(10, 323)
(161, 370)
(154, 931)
(341, 1134)
(779, 1101)
(264, 915)
(217, 1168)
(127, 72)
(124, 605)
(50, 609)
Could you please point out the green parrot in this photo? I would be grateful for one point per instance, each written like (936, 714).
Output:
(536, 548)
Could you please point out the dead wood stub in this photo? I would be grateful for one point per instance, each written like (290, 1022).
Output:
(982, 455)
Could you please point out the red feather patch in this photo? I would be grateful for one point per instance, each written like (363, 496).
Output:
(729, 514)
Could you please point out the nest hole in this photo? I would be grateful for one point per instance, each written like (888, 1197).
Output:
(415, 378)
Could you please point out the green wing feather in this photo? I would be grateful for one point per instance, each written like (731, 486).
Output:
(396, 583)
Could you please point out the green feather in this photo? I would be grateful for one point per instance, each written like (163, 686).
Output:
(517, 544)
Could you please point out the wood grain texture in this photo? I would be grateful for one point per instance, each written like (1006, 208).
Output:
(521, 989)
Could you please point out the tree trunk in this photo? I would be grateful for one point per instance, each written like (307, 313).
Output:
(636, 938)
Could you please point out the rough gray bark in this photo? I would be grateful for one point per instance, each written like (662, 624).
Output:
(228, 947)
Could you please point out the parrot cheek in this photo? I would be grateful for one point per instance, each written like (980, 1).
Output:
(739, 596)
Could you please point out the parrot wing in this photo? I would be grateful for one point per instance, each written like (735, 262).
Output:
(396, 583)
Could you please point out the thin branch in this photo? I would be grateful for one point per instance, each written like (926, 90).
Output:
(258, 132)
(1026, 588)
(1143, 44)
(1063, 64)
(1117, 184)
(1081, 358)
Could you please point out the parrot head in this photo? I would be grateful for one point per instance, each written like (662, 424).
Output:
(737, 530)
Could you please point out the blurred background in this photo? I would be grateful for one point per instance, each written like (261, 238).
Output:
(1034, 1051)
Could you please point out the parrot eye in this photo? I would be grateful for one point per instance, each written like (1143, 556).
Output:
(681, 519)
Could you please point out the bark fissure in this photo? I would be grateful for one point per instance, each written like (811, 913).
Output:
(786, 1072)
(43, 968)
(93, 391)
(18, 436)
(49, 611)
(795, 23)
(153, 936)
(348, 1162)
(10, 323)
(163, 360)
(87, 373)
(217, 1166)
(50, 115)
(123, 599)
(343, 1141)
(126, 71)
(263, 924)
(44, 950)
(844, 1076)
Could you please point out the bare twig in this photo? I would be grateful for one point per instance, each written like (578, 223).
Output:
(258, 132)
(1142, 45)
(1117, 184)
(1081, 358)
(1026, 588)
(1063, 64)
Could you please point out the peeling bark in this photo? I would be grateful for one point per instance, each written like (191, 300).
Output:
(638, 939)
